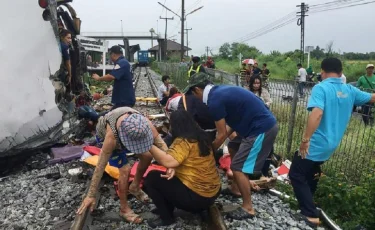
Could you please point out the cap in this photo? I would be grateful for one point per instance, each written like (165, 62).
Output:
(115, 50)
(370, 65)
(196, 59)
(135, 134)
(195, 80)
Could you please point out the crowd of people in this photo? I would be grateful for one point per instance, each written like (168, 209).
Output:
(203, 117)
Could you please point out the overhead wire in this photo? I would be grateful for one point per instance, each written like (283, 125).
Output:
(340, 7)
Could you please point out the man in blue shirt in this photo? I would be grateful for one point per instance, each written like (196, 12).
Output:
(247, 115)
(123, 92)
(331, 105)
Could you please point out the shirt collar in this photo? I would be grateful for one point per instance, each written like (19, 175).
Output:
(333, 80)
(206, 91)
(118, 59)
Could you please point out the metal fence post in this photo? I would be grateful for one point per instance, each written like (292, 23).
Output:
(236, 80)
(292, 119)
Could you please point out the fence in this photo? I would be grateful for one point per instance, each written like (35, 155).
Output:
(355, 156)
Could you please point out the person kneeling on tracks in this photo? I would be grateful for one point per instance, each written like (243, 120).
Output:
(124, 130)
(237, 109)
(192, 182)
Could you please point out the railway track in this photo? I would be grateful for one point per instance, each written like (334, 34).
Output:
(145, 86)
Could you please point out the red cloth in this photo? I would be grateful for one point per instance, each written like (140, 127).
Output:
(225, 162)
(134, 170)
(92, 150)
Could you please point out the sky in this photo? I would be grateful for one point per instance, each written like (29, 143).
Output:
(219, 21)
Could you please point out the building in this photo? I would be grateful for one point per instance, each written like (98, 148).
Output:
(173, 49)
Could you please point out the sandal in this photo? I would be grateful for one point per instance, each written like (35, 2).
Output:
(240, 214)
(300, 217)
(140, 195)
(131, 217)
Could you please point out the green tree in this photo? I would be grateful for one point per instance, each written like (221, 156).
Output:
(317, 53)
(225, 51)
(246, 50)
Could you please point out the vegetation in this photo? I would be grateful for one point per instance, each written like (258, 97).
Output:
(283, 65)
(347, 204)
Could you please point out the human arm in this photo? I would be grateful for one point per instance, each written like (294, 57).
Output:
(108, 146)
(164, 158)
(313, 123)
(223, 131)
(316, 105)
(107, 77)
(68, 66)
(266, 97)
(158, 141)
(362, 97)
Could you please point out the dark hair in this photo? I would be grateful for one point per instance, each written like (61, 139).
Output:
(64, 33)
(252, 81)
(184, 126)
(332, 65)
(299, 65)
(164, 78)
(173, 91)
(265, 64)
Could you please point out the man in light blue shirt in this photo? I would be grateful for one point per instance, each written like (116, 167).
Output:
(331, 105)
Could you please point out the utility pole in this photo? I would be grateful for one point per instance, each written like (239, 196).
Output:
(301, 22)
(187, 39)
(165, 37)
(207, 49)
(182, 27)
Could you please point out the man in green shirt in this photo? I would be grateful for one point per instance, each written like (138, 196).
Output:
(367, 82)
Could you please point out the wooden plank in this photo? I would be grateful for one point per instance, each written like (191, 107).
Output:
(83, 221)
(215, 220)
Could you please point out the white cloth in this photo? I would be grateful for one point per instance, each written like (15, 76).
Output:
(172, 104)
(206, 91)
(302, 74)
(343, 78)
(161, 90)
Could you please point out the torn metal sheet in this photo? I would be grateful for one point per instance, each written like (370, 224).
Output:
(29, 56)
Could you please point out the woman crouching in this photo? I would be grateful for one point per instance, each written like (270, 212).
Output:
(192, 182)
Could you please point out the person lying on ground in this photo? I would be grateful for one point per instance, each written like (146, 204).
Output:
(237, 109)
(331, 105)
(192, 182)
(124, 130)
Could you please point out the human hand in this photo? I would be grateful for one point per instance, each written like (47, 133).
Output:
(169, 174)
(303, 149)
(95, 76)
(88, 202)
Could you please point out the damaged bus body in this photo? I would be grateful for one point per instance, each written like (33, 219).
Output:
(35, 103)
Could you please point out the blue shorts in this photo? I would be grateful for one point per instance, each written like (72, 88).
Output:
(118, 158)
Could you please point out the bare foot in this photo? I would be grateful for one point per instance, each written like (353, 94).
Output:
(314, 220)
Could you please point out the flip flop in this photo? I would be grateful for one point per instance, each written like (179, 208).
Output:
(140, 195)
(228, 192)
(300, 217)
(240, 214)
(132, 218)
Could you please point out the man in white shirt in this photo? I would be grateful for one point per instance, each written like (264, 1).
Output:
(343, 78)
(302, 79)
(163, 91)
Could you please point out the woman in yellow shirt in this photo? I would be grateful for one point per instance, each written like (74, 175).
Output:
(192, 182)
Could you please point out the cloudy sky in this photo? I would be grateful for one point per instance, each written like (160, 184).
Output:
(351, 29)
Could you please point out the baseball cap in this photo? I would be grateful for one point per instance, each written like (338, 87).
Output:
(135, 134)
(195, 80)
(370, 65)
(115, 50)
(196, 59)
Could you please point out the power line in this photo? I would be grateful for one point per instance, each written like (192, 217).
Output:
(162, 9)
(342, 7)
(333, 3)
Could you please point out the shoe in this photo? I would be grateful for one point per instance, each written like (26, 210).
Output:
(159, 223)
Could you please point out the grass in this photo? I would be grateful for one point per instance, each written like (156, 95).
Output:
(285, 68)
